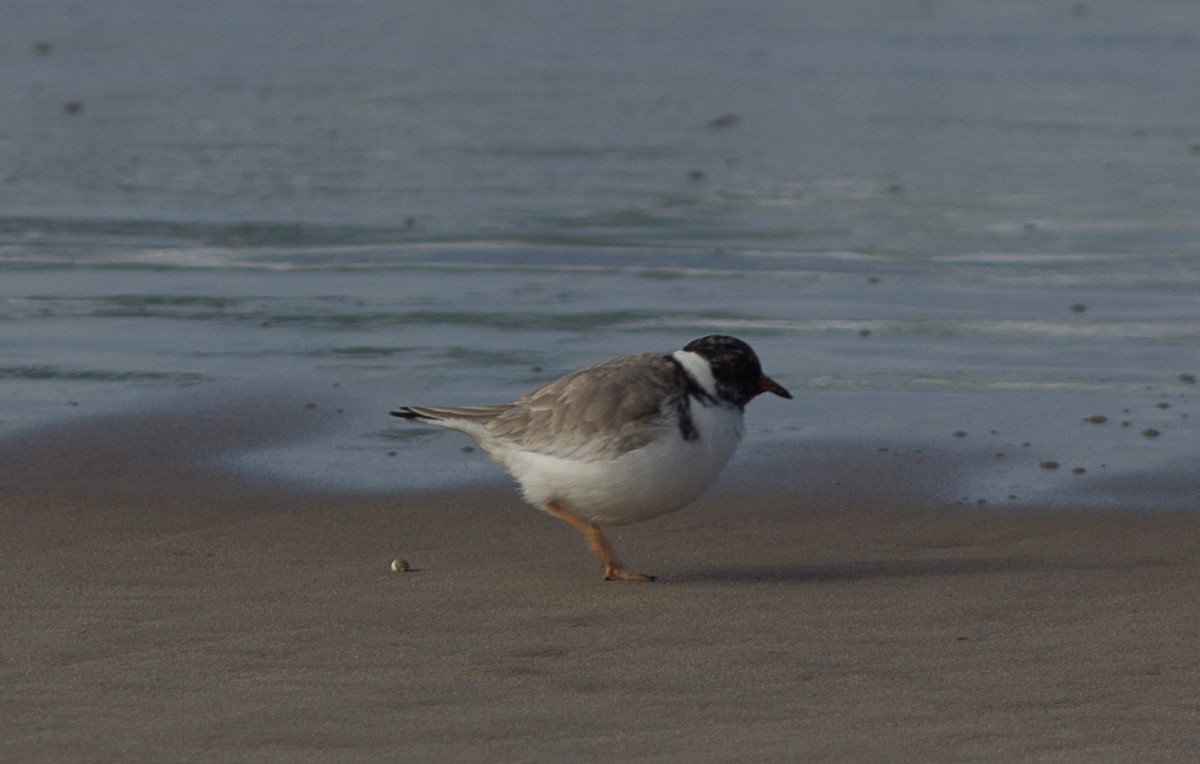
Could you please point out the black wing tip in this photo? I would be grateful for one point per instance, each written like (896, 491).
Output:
(406, 413)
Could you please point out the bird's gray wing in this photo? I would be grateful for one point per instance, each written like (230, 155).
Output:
(597, 413)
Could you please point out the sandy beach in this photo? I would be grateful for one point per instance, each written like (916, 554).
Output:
(161, 607)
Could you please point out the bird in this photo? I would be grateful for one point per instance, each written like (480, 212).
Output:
(625, 440)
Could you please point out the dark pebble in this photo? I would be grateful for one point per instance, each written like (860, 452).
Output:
(1096, 419)
(1151, 432)
(723, 121)
(1049, 465)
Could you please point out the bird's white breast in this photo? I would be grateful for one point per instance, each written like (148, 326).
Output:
(665, 475)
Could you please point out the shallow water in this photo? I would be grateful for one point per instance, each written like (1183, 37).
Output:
(928, 218)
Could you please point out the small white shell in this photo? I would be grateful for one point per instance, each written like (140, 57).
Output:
(400, 566)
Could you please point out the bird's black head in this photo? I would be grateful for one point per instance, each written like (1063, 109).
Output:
(735, 368)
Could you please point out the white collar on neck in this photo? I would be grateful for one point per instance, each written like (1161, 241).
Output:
(697, 365)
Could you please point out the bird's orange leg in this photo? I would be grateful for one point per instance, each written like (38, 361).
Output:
(598, 544)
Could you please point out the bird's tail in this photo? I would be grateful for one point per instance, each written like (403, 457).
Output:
(407, 412)
(444, 415)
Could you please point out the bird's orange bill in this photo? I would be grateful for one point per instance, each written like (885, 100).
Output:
(768, 385)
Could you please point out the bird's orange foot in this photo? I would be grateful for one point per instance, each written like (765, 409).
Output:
(620, 574)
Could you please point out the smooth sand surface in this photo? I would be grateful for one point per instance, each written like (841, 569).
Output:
(159, 608)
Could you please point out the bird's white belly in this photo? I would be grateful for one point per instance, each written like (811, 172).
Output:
(664, 476)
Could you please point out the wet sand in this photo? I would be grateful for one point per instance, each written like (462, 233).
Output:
(817, 606)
